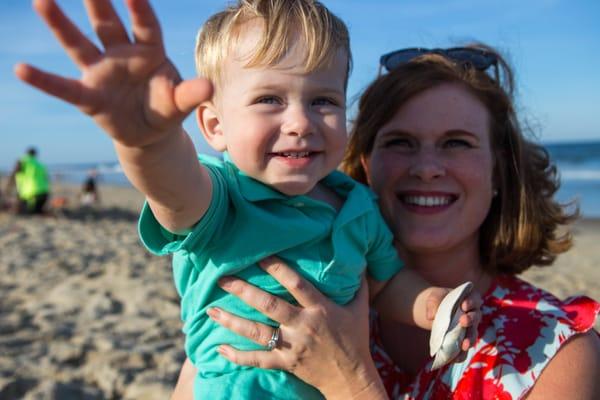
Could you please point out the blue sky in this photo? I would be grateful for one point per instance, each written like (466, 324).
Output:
(554, 46)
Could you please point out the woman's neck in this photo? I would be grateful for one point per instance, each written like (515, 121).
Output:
(450, 268)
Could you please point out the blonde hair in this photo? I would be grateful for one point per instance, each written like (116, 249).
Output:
(521, 228)
(284, 23)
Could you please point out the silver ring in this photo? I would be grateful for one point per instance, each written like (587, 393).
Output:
(272, 343)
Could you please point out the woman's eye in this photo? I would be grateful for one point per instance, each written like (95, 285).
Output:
(457, 143)
(399, 142)
(324, 101)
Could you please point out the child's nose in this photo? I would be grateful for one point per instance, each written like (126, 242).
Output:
(297, 122)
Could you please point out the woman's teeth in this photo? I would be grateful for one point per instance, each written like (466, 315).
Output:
(428, 201)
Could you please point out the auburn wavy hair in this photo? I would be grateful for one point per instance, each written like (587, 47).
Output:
(523, 225)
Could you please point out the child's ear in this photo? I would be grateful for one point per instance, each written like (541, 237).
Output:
(210, 125)
(364, 162)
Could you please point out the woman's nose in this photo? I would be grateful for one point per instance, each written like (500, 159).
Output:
(427, 166)
(297, 122)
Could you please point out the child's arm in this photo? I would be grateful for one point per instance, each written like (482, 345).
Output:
(410, 299)
(406, 298)
(135, 94)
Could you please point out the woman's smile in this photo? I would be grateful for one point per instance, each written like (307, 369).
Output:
(426, 202)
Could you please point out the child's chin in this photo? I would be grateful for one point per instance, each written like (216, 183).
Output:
(294, 188)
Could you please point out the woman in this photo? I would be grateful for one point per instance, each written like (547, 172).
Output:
(468, 198)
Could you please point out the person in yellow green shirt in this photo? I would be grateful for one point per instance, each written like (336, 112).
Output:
(31, 179)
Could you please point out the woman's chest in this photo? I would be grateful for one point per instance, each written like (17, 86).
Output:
(407, 345)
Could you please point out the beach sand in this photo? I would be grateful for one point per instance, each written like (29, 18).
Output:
(88, 313)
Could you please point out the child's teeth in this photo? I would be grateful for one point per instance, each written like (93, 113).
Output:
(295, 155)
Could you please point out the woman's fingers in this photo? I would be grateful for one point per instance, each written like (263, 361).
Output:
(255, 331)
(79, 48)
(69, 90)
(106, 23)
(257, 359)
(305, 294)
(145, 25)
(272, 306)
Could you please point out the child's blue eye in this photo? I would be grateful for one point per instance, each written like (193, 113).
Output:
(268, 100)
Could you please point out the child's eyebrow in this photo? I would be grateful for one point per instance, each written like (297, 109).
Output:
(318, 88)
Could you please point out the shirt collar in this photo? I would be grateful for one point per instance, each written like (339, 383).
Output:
(250, 188)
(253, 190)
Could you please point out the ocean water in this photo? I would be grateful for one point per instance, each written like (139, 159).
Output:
(578, 165)
(579, 168)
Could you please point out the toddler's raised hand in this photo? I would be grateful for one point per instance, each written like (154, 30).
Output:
(454, 328)
(130, 89)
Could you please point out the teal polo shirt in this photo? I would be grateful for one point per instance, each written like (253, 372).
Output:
(246, 222)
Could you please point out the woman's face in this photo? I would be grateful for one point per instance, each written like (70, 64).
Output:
(431, 166)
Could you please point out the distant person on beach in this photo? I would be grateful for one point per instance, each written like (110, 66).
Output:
(32, 182)
(438, 139)
(279, 69)
(89, 194)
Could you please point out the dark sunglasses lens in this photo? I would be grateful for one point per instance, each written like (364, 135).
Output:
(397, 58)
(478, 59)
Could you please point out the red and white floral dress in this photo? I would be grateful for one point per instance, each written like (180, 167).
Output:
(522, 328)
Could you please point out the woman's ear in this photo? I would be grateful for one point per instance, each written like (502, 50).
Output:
(209, 123)
(364, 162)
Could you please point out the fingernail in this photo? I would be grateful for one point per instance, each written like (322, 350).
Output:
(225, 282)
(214, 313)
(265, 261)
(222, 351)
(430, 314)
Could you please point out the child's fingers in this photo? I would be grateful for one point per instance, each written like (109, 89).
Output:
(258, 359)
(471, 336)
(255, 331)
(145, 25)
(189, 94)
(470, 318)
(106, 23)
(79, 48)
(473, 302)
(466, 344)
(69, 90)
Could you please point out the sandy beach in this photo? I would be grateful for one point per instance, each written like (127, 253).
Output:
(88, 313)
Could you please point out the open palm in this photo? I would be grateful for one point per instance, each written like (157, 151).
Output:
(131, 89)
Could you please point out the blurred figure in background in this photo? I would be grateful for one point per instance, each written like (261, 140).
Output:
(89, 195)
(32, 182)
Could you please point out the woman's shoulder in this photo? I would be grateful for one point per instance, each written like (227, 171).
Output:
(523, 328)
(520, 305)
(573, 372)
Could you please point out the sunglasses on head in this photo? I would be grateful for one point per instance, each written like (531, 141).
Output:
(466, 56)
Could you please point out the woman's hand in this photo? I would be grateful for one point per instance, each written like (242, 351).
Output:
(322, 343)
